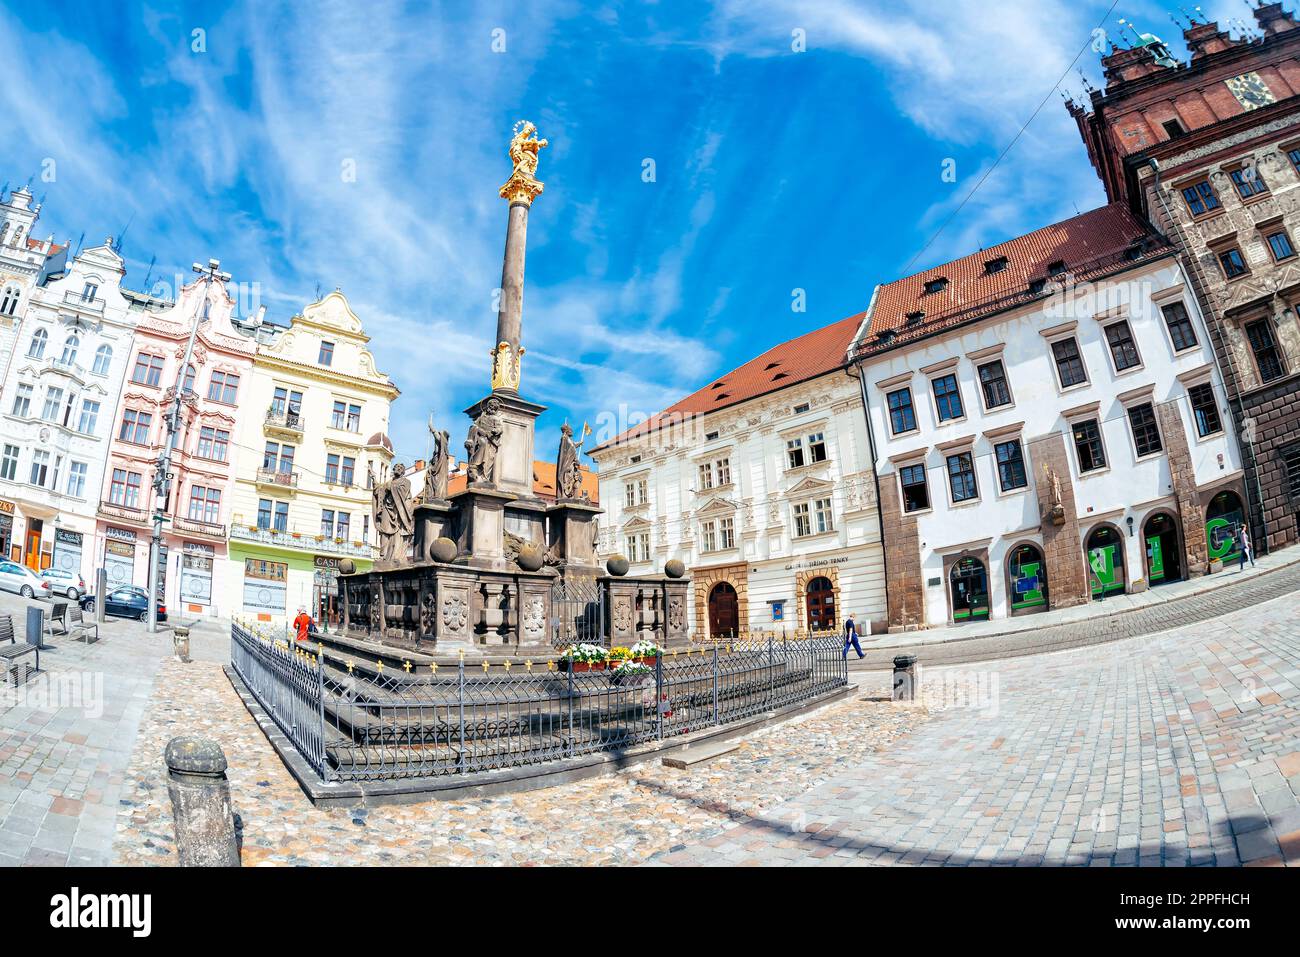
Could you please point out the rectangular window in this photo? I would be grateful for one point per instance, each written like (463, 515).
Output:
(148, 369)
(135, 427)
(9, 463)
(638, 547)
(1087, 443)
(961, 476)
(23, 400)
(332, 469)
(916, 494)
(1123, 350)
(709, 534)
(1011, 465)
(40, 467)
(1200, 198)
(89, 417)
(205, 504)
(822, 518)
(117, 489)
(1248, 182)
(77, 479)
(1294, 157)
(1264, 345)
(224, 387)
(1146, 435)
(348, 473)
(264, 513)
(280, 400)
(947, 398)
(1069, 364)
(327, 522)
(53, 401)
(1204, 409)
(902, 417)
(816, 448)
(629, 489)
(794, 453)
(993, 382)
(1291, 463)
(344, 525)
(1279, 243)
(1232, 262)
(354, 418)
(727, 532)
(326, 353)
(723, 469)
(214, 444)
(281, 520)
(339, 415)
(1179, 323)
(802, 520)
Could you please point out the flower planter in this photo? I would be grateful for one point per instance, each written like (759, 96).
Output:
(578, 666)
(646, 660)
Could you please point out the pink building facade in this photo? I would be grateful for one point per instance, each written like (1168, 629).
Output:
(193, 557)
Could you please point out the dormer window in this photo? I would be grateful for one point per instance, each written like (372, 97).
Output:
(936, 285)
(770, 365)
(914, 318)
(780, 375)
(1036, 286)
(885, 336)
(716, 385)
(1173, 129)
(995, 265)
(710, 436)
(1057, 268)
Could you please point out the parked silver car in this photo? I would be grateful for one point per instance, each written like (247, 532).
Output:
(65, 582)
(20, 578)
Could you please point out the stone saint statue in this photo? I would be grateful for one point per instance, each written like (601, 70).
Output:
(394, 519)
(568, 470)
(483, 443)
(435, 482)
(1055, 509)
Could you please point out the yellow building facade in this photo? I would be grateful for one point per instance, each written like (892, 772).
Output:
(313, 432)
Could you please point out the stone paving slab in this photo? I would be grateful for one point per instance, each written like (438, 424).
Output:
(1178, 749)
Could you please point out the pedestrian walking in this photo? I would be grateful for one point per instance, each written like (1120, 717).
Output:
(302, 624)
(851, 637)
(1246, 550)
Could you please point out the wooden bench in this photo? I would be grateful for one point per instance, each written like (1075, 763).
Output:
(79, 628)
(13, 650)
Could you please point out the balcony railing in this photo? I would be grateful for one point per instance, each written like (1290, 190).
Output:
(315, 543)
(80, 302)
(278, 478)
(194, 526)
(123, 513)
(278, 418)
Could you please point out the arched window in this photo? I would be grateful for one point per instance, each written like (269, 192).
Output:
(1027, 579)
(9, 302)
(70, 346)
(187, 385)
(1105, 554)
(103, 356)
(1224, 518)
(820, 604)
(37, 349)
(969, 584)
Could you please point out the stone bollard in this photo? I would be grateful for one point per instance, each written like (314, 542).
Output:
(200, 793)
(906, 678)
(181, 642)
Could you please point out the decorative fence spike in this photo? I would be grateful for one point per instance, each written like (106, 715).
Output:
(406, 666)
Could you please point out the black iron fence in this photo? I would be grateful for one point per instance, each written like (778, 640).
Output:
(361, 721)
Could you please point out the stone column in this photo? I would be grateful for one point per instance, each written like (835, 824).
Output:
(200, 795)
(510, 314)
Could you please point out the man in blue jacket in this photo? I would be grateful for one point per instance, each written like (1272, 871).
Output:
(851, 637)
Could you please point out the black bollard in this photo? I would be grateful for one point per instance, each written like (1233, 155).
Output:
(200, 793)
(906, 678)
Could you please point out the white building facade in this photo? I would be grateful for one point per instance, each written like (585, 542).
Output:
(1049, 425)
(57, 405)
(769, 500)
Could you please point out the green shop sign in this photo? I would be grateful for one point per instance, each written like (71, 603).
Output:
(1223, 544)
(1105, 574)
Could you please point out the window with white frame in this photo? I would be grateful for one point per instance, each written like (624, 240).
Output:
(53, 402)
(636, 492)
(726, 533)
(40, 467)
(77, 479)
(638, 546)
(718, 534)
(23, 400)
(813, 518)
(715, 473)
(36, 349)
(816, 448)
(103, 356)
(709, 536)
(9, 463)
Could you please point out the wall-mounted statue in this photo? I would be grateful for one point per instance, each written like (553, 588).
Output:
(435, 482)
(568, 470)
(1055, 508)
(393, 517)
(483, 443)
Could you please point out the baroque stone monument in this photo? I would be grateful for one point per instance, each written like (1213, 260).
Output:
(492, 567)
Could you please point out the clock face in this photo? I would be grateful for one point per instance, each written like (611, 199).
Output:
(1250, 91)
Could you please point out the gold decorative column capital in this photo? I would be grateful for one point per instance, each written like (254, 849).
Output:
(506, 370)
(523, 186)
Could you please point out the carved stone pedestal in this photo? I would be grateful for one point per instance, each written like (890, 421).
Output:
(514, 457)
(572, 524)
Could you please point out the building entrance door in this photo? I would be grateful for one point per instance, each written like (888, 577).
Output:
(821, 605)
(724, 611)
(1164, 556)
(32, 554)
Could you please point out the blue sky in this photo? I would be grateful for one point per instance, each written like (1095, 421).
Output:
(775, 170)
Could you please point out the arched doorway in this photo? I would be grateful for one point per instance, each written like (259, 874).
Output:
(724, 611)
(1223, 517)
(1026, 580)
(821, 604)
(1164, 553)
(969, 584)
(1104, 552)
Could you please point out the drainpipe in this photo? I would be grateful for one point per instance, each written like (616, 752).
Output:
(1254, 503)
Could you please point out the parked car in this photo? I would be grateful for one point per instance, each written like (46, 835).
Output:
(20, 578)
(65, 582)
(126, 601)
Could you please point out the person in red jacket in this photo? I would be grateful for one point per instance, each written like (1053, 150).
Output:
(302, 624)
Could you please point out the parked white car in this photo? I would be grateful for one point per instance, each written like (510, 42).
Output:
(20, 578)
(65, 582)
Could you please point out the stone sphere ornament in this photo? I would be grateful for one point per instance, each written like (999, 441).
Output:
(674, 568)
(530, 558)
(347, 566)
(617, 565)
(442, 550)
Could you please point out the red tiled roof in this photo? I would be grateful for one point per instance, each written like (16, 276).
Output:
(543, 481)
(798, 360)
(1080, 244)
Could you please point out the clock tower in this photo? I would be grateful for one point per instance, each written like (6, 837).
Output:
(1209, 152)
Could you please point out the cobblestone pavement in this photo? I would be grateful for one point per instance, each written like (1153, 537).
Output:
(621, 819)
(1177, 749)
(66, 738)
